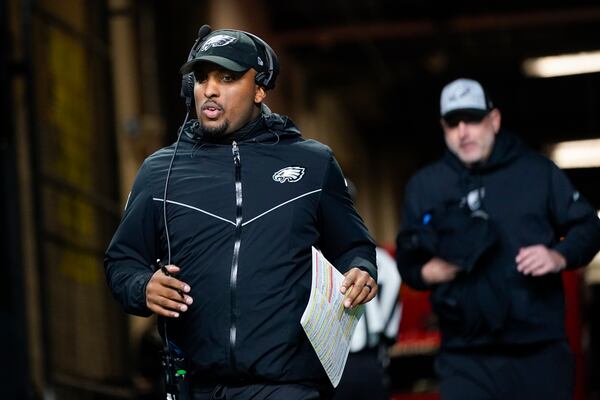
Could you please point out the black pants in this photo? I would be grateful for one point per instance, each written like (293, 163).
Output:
(363, 378)
(256, 392)
(544, 371)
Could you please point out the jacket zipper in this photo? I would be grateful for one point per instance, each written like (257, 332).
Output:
(236, 252)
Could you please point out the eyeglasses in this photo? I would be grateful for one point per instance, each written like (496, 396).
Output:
(453, 120)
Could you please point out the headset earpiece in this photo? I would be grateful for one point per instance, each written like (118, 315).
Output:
(188, 80)
(187, 88)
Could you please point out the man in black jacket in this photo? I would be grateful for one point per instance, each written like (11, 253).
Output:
(488, 229)
(233, 209)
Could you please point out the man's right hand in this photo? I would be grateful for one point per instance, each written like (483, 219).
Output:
(437, 271)
(165, 295)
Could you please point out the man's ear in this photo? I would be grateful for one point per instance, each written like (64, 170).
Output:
(443, 123)
(496, 118)
(260, 94)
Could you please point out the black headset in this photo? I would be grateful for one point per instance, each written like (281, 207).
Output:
(265, 78)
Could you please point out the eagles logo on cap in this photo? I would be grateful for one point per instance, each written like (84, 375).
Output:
(216, 41)
(464, 95)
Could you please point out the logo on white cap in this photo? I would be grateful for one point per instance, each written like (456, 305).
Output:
(462, 94)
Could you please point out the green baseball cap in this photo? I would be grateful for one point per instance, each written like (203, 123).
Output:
(231, 49)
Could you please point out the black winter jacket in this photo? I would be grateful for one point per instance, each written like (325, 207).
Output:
(478, 218)
(242, 217)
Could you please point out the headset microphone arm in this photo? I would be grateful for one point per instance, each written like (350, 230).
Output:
(203, 31)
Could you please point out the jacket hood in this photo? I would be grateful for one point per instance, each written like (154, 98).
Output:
(268, 127)
(506, 148)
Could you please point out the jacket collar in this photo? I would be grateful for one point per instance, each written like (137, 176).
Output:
(268, 127)
(506, 148)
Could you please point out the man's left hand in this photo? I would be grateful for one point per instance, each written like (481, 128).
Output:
(362, 288)
(539, 260)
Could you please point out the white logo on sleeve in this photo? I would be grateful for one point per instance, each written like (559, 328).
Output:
(288, 174)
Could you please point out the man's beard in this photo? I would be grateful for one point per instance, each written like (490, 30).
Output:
(214, 132)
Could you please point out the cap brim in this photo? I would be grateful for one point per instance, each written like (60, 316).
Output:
(478, 112)
(226, 63)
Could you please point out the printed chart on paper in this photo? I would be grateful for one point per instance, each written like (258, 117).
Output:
(328, 325)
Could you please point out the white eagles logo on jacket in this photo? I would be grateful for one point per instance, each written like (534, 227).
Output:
(288, 174)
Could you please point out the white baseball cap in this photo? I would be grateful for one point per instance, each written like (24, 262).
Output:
(466, 96)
